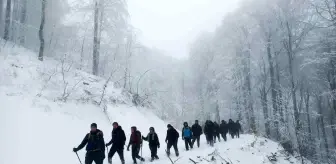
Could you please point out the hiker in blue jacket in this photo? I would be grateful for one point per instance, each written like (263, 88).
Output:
(187, 136)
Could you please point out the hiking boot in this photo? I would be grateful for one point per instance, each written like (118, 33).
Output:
(152, 159)
(109, 160)
(168, 153)
(177, 154)
(142, 159)
(156, 157)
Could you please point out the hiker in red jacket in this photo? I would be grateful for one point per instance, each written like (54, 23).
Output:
(136, 142)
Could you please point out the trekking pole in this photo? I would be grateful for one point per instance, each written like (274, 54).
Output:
(78, 158)
(141, 146)
(107, 149)
(141, 150)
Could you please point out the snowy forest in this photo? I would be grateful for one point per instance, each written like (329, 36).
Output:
(270, 64)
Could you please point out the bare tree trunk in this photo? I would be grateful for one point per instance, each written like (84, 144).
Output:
(279, 91)
(307, 99)
(332, 84)
(82, 55)
(7, 19)
(291, 74)
(321, 121)
(263, 98)
(15, 20)
(1, 16)
(125, 76)
(217, 112)
(273, 88)
(23, 22)
(249, 92)
(41, 30)
(95, 41)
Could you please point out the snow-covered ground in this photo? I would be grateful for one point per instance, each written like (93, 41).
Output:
(46, 111)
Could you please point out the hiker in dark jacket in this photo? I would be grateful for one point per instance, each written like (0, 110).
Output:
(172, 139)
(187, 136)
(231, 127)
(197, 132)
(95, 146)
(209, 132)
(118, 141)
(216, 132)
(223, 129)
(154, 143)
(238, 128)
(136, 142)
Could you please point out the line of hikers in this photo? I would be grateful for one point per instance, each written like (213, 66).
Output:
(95, 144)
(213, 130)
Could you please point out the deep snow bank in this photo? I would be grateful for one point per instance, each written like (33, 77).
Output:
(47, 108)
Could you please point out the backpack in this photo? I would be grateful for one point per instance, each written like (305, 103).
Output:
(138, 139)
(187, 132)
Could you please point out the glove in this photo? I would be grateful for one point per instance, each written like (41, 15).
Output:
(182, 138)
(75, 150)
(166, 141)
(158, 146)
(127, 148)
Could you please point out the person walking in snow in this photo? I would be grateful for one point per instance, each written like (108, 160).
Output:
(95, 146)
(136, 142)
(154, 143)
(118, 141)
(208, 131)
(238, 128)
(231, 127)
(187, 136)
(197, 132)
(172, 139)
(223, 129)
(216, 132)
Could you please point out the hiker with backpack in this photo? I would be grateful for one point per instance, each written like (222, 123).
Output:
(232, 128)
(187, 136)
(238, 128)
(172, 139)
(209, 132)
(95, 146)
(223, 129)
(216, 132)
(154, 143)
(118, 141)
(136, 142)
(197, 132)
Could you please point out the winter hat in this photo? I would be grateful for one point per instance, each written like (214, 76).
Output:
(185, 124)
(151, 128)
(169, 126)
(134, 127)
(93, 125)
(115, 123)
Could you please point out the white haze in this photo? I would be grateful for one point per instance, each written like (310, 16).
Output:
(171, 25)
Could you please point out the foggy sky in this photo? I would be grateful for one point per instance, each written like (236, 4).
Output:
(171, 25)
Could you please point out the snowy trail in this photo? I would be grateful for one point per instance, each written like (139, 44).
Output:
(237, 151)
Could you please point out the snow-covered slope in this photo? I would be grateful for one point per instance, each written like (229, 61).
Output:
(47, 108)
